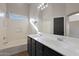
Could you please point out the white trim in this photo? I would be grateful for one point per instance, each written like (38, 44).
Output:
(13, 50)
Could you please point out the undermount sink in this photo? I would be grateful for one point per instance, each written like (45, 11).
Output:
(61, 40)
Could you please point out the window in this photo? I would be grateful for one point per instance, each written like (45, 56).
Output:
(16, 17)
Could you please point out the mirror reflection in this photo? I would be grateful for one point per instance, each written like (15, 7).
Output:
(74, 25)
(58, 19)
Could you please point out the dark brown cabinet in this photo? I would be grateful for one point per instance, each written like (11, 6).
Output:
(39, 49)
(35, 48)
(29, 46)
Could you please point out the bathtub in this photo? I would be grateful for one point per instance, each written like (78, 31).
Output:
(8, 48)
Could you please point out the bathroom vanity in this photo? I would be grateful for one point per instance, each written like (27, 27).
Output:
(36, 48)
(52, 45)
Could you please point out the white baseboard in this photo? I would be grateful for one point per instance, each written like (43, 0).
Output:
(13, 50)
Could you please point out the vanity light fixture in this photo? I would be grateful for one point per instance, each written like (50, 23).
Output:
(42, 6)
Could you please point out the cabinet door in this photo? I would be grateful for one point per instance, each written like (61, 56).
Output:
(33, 47)
(49, 52)
(29, 46)
(39, 49)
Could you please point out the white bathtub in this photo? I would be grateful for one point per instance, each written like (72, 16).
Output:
(12, 47)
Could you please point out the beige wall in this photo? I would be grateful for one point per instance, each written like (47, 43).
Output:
(74, 29)
(2, 25)
(18, 8)
(14, 30)
(45, 18)
(71, 8)
(17, 30)
(2, 7)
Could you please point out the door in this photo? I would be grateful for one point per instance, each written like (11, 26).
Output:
(33, 47)
(59, 26)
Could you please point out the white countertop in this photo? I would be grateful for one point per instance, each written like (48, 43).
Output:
(65, 45)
